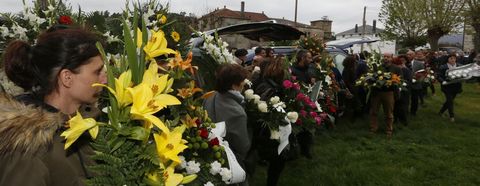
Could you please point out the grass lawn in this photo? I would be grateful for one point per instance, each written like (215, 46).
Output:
(430, 151)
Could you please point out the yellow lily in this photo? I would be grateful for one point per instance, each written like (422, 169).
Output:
(145, 104)
(169, 145)
(157, 46)
(162, 18)
(123, 96)
(160, 84)
(172, 179)
(175, 36)
(78, 126)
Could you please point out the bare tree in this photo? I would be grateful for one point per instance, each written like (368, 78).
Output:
(412, 20)
(441, 18)
(402, 20)
(472, 15)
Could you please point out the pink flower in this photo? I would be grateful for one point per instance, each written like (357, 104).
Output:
(294, 78)
(318, 120)
(303, 113)
(296, 86)
(298, 122)
(323, 115)
(287, 84)
(300, 97)
(312, 105)
(313, 114)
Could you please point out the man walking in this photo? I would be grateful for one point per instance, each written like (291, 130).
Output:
(384, 96)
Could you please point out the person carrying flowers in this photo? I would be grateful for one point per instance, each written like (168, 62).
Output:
(59, 71)
(227, 105)
(384, 95)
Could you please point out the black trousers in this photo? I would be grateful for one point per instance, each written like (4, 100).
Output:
(400, 110)
(275, 168)
(416, 94)
(448, 105)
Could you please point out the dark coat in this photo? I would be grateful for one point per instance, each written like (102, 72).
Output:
(32, 151)
(453, 88)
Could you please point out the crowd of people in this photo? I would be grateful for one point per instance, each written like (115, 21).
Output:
(414, 67)
(399, 103)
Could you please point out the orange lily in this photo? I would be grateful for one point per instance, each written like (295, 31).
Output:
(188, 92)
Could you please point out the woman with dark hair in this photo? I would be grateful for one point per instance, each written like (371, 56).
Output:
(58, 72)
(271, 85)
(227, 105)
(449, 90)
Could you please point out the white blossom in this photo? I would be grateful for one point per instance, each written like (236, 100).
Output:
(208, 184)
(248, 82)
(262, 106)
(292, 116)
(274, 100)
(183, 162)
(256, 69)
(256, 99)
(249, 94)
(4, 31)
(226, 174)
(193, 167)
(215, 168)
(274, 134)
(328, 80)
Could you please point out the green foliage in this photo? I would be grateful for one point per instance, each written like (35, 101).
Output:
(123, 164)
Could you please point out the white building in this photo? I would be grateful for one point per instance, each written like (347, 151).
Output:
(371, 32)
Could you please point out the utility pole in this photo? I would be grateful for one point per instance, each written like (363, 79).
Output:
(364, 24)
(296, 6)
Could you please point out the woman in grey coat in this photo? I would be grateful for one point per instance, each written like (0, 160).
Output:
(227, 105)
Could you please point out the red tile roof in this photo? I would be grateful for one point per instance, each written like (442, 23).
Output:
(227, 13)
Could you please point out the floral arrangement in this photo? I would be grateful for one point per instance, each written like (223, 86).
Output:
(379, 80)
(310, 114)
(426, 77)
(313, 43)
(217, 48)
(211, 55)
(155, 131)
(377, 77)
(462, 73)
(271, 114)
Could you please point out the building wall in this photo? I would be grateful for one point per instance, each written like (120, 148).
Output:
(312, 31)
(325, 25)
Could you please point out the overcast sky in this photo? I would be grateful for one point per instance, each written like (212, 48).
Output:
(344, 13)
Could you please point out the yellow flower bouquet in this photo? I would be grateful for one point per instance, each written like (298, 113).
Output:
(155, 131)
